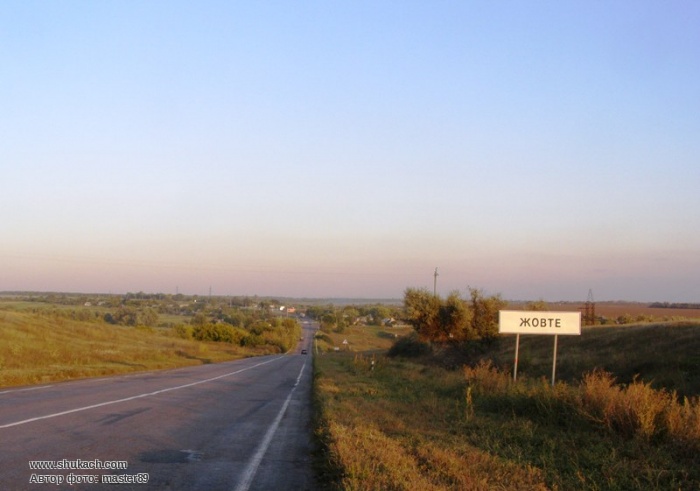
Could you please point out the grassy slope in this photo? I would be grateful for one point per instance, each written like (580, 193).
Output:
(410, 425)
(41, 347)
(665, 354)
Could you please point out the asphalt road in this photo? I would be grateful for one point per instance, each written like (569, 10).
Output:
(242, 425)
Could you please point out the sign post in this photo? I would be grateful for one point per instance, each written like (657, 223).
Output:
(534, 322)
(515, 365)
(554, 359)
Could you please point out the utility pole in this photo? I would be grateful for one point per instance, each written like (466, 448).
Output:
(435, 283)
(590, 309)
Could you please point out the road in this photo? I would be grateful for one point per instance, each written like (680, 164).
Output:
(236, 426)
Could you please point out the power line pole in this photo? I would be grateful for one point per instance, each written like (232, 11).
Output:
(590, 309)
(435, 283)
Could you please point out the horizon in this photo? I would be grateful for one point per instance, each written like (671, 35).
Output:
(347, 150)
(348, 300)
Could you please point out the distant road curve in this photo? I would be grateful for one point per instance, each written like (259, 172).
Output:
(236, 426)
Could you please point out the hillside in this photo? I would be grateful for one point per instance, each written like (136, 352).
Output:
(47, 345)
(411, 423)
(667, 355)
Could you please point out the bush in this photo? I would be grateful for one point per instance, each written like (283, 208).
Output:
(640, 410)
(484, 378)
(252, 340)
(220, 332)
(632, 411)
(410, 347)
(183, 331)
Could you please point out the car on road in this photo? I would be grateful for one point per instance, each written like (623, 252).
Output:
(303, 352)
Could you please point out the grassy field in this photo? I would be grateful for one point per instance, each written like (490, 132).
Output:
(629, 311)
(666, 355)
(624, 415)
(399, 424)
(360, 339)
(46, 346)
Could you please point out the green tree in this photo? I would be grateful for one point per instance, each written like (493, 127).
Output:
(350, 314)
(148, 317)
(436, 319)
(327, 322)
(126, 316)
(259, 327)
(484, 321)
(452, 319)
(422, 312)
(379, 313)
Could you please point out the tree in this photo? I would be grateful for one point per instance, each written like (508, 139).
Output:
(452, 319)
(436, 319)
(484, 322)
(379, 313)
(422, 312)
(327, 321)
(351, 314)
(148, 317)
(125, 316)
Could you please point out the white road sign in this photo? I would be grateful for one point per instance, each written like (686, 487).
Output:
(532, 322)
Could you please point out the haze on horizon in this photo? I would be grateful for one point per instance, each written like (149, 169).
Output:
(347, 149)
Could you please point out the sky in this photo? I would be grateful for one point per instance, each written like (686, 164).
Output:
(536, 150)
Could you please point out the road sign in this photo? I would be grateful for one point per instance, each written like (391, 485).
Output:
(533, 322)
(529, 322)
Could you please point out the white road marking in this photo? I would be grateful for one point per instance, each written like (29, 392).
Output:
(139, 396)
(254, 463)
(25, 389)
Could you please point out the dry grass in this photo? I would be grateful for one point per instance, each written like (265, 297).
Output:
(361, 339)
(401, 425)
(666, 355)
(637, 409)
(41, 347)
(396, 427)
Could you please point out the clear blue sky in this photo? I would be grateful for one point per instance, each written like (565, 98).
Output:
(535, 149)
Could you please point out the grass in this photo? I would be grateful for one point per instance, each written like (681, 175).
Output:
(44, 346)
(666, 355)
(627, 417)
(364, 339)
(400, 427)
(399, 424)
